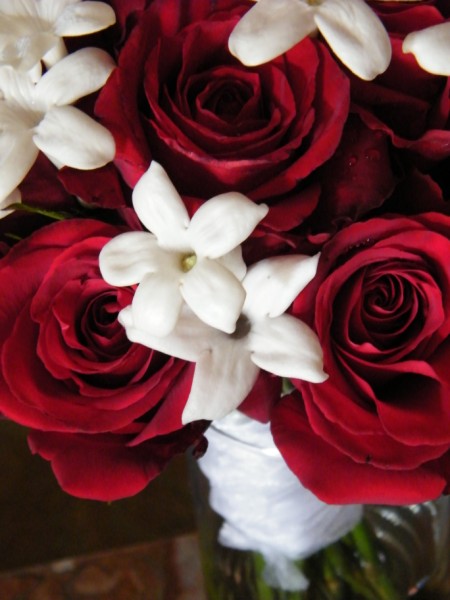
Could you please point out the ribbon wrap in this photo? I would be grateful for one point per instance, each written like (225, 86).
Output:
(264, 506)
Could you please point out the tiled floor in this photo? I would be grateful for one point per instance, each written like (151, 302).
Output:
(40, 523)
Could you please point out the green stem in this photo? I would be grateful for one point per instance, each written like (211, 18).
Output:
(365, 543)
(349, 572)
(51, 214)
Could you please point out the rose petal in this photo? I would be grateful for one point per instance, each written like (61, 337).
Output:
(408, 419)
(112, 469)
(69, 137)
(337, 479)
(167, 417)
(269, 29)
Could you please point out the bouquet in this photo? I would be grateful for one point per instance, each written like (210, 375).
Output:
(225, 206)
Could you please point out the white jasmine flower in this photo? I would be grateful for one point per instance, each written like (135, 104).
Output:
(198, 260)
(431, 47)
(351, 28)
(227, 365)
(31, 30)
(37, 116)
(14, 197)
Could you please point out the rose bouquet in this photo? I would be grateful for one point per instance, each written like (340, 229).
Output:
(225, 209)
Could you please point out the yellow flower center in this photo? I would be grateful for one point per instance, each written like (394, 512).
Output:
(188, 262)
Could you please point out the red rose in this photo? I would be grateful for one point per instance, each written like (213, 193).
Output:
(42, 188)
(101, 187)
(357, 179)
(378, 429)
(409, 104)
(180, 97)
(105, 411)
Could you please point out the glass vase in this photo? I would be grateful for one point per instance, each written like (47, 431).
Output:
(389, 553)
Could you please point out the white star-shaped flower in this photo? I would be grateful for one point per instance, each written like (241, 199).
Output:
(197, 260)
(351, 28)
(227, 365)
(31, 30)
(37, 116)
(431, 47)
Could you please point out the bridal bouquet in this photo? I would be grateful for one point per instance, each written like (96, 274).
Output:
(224, 205)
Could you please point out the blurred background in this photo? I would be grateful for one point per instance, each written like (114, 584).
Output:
(40, 523)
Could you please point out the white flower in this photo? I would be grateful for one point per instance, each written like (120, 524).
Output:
(36, 116)
(14, 197)
(227, 365)
(351, 28)
(198, 260)
(32, 29)
(431, 47)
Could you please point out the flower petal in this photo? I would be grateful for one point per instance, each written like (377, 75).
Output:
(223, 377)
(234, 262)
(223, 222)
(160, 208)
(213, 294)
(23, 52)
(75, 76)
(69, 137)
(127, 258)
(24, 8)
(356, 35)
(15, 197)
(269, 29)
(273, 284)
(17, 156)
(431, 47)
(55, 54)
(157, 303)
(287, 347)
(15, 87)
(84, 17)
(187, 341)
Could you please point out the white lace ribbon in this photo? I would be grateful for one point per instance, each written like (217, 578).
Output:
(264, 506)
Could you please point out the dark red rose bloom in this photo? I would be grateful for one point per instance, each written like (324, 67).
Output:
(106, 412)
(180, 97)
(42, 188)
(356, 180)
(378, 429)
(409, 104)
(101, 187)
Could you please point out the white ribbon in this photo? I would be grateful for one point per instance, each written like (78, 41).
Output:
(264, 506)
